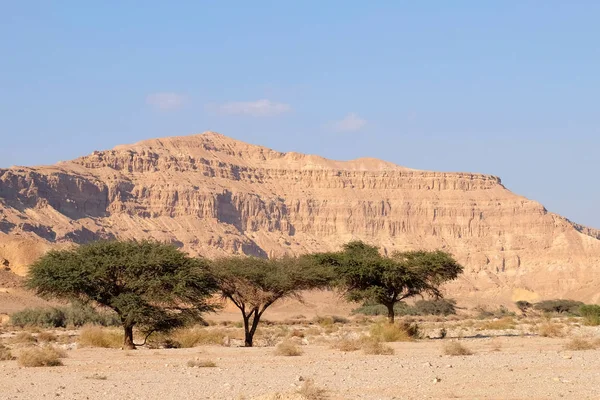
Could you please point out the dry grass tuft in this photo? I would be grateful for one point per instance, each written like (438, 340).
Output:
(550, 329)
(41, 357)
(47, 337)
(288, 349)
(192, 337)
(95, 336)
(499, 324)
(23, 338)
(5, 354)
(375, 347)
(392, 332)
(310, 391)
(346, 344)
(201, 364)
(576, 344)
(456, 349)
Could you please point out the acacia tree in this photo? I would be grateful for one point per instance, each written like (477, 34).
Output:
(363, 274)
(254, 284)
(150, 285)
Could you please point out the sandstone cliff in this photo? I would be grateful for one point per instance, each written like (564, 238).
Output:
(212, 195)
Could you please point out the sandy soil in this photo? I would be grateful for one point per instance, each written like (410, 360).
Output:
(523, 368)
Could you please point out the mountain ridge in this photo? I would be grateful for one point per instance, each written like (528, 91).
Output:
(213, 195)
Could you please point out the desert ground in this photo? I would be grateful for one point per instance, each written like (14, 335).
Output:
(512, 357)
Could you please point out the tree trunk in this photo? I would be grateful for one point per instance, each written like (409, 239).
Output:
(128, 338)
(248, 335)
(391, 313)
(250, 330)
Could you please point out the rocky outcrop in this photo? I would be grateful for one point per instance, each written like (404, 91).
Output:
(212, 195)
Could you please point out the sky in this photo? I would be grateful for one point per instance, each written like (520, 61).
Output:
(508, 88)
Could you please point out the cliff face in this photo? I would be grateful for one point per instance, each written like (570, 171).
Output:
(212, 195)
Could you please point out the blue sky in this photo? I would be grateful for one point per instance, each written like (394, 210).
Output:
(509, 88)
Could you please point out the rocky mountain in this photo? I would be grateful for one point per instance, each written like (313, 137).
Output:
(212, 195)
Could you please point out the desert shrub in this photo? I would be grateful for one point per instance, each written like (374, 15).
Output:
(309, 391)
(60, 317)
(97, 377)
(523, 306)
(435, 307)
(5, 354)
(376, 347)
(499, 324)
(401, 332)
(456, 349)
(23, 338)
(347, 344)
(590, 314)
(201, 364)
(579, 344)
(550, 329)
(297, 333)
(500, 312)
(96, 336)
(46, 337)
(559, 306)
(196, 336)
(420, 308)
(287, 349)
(41, 357)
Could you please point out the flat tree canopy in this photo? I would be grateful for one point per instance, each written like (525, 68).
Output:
(253, 284)
(363, 274)
(150, 285)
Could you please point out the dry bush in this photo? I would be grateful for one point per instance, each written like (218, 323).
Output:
(97, 377)
(576, 344)
(201, 364)
(297, 333)
(375, 347)
(41, 357)
(550, 329)
(499, 324)
(95, 336)
(386, 332)
(456, 349)
(192, 337)
(309, 391)
(5, 354)
(47, 337)
(23, 338)
(287, 349)
(347, 344)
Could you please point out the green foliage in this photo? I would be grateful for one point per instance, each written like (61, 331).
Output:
(365, 275)
(559, 306)
(253, 284)
(590, 314)
(420, 308)
(499, 312)
(60, 317)
(150, 285)
(523, 306)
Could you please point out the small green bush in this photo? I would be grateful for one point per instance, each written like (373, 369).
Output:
(499, 312)
(60, 317)
(559, 306)
(590, 314)
(420, 308)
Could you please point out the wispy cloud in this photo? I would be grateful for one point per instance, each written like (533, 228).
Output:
(350, 123)
(258, 108)
(165, 101)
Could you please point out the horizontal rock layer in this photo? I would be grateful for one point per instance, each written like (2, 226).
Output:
(212, 195)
